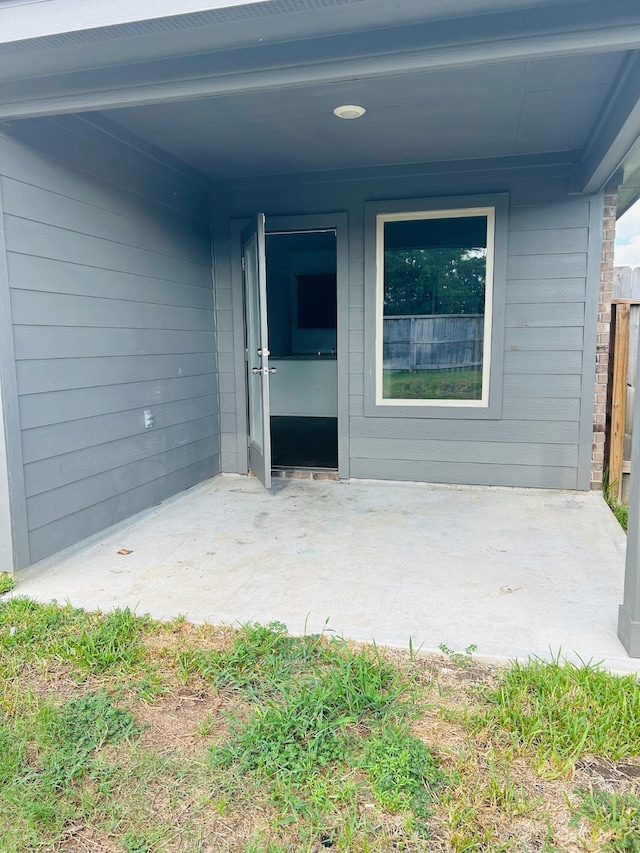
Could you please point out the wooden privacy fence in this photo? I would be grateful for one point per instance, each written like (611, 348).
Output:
(433, 342)
(625, 325)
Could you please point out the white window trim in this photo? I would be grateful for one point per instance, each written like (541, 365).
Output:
(453, 213)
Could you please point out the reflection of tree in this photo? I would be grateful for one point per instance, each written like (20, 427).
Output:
(434, 281)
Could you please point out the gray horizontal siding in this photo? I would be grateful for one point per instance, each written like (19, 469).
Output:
(443, 429)
(50, 241)
(109, 261)
(52, 276)
(43, 342)
(35, 308)
(160, 233)
(537, 338)
(473, 474)
(61, 533)
(55, 439)
(41, 375)
(77, 403)
(47, 474)
(54, 505)
(535, 442)
(444, 450)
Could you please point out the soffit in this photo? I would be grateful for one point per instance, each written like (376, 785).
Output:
(499, 110)
(59, 35)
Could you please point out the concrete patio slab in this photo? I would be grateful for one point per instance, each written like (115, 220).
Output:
(515, 572)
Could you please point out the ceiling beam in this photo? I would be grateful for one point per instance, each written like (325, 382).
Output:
(615, 132)
(66, 93)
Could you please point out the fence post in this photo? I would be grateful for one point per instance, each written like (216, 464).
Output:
(619, 396)
(629, 612)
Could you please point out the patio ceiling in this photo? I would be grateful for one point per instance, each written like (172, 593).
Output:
(239, 89)
(499, 110)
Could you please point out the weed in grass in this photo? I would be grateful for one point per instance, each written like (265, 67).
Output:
(458, 658)
(403, 772)
(614, 819)
(306, 733)
(6, 582)
(561, 711)
(43, 758)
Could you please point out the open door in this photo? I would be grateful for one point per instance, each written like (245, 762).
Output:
(255, 285)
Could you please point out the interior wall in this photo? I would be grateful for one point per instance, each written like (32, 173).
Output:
(542, 438)
(109, 267)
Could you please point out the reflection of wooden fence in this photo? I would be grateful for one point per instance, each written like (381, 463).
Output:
(625, 325)
(433, 342)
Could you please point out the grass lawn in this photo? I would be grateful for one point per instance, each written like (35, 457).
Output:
(456, 385)
(118, 733)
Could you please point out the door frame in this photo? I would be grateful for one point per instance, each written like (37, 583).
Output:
(303, 222)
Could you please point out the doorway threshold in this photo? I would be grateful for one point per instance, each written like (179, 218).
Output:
(306, 473)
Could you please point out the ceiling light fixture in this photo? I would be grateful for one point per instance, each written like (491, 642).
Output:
(349, 111)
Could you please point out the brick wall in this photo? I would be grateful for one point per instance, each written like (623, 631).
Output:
(604, 329)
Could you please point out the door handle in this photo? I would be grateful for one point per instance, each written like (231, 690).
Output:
(265, 370)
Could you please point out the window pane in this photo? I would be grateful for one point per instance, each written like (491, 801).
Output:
(435, 272)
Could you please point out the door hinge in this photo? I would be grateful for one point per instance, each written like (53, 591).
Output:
(243, 263)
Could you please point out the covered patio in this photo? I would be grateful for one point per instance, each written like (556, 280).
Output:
(513, 571)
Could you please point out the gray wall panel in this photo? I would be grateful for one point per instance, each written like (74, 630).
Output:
(33, 308)
(548, 363)
(117, 165)
(541, 314)
(109, 260)
(547, 266)
(518, 387)
(61, 533)
(570, 214)
(539, 338)
(537, 477)
(66, 406)
(66, 342)
(47, 474)
(541, 409)
(442, 429)
(547, 290)
(56, 439)
(59, 374)
(49, 241)
(150, 232)
(50, 506)
(442, 450)
(50, 276)
(561, 240)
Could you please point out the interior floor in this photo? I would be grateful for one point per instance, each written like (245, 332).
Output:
(301, 442)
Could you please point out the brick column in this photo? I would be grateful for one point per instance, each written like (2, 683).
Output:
(604, 332)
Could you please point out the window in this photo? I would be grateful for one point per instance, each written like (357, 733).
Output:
(433, 338)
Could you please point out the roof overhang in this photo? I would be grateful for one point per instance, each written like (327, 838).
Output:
(64, 57)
